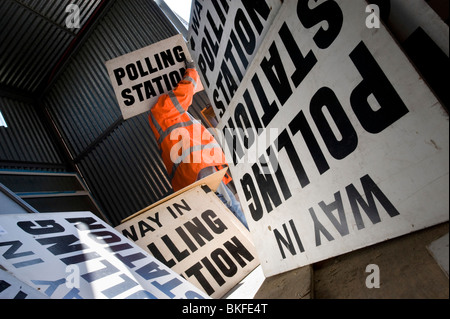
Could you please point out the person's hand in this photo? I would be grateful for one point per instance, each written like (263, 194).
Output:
(190, 64)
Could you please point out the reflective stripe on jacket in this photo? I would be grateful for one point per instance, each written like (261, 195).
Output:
(186, 145)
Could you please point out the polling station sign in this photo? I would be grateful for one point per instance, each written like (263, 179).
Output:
(78, 256)
(197, 237)
(333, 139)
(223, 38)
(140, 77)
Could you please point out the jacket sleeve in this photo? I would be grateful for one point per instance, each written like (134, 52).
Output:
(170, 107)
(177, 101)
(185, 89)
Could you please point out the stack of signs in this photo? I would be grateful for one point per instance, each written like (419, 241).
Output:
(223, 38)
(140, 77)
(78, 256)
(334, 140)
(196, 235)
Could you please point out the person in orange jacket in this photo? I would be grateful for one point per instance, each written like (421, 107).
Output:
(189, 151)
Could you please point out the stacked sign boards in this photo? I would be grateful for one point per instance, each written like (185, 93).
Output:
(198, 237)
(186, 246)
(78, 256)
(334, 140)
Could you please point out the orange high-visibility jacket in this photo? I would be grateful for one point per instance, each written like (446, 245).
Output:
(186, 145)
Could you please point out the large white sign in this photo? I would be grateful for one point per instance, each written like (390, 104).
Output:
(140, 77)
(334, 140)
(224, 36)
(78, 256)
(198, 237)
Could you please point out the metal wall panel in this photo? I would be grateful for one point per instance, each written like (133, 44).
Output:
(26, 143)
(33, 38)
(55, 11)
(125, 172)
(119, 159)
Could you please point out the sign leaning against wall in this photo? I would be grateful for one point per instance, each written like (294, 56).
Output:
(78, 256)
(141, 76)
(196, 236)
(224, 37)
(334, 140)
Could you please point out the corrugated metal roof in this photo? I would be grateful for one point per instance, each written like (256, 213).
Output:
(33, 38)
(56, 10)
(125, 171)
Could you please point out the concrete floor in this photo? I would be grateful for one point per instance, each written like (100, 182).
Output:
(407, 269)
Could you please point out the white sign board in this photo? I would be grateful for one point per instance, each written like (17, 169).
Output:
(335, 142)
(140, 77)
(78, 256)
(13, 288)
(197, 236)
(223, 38)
